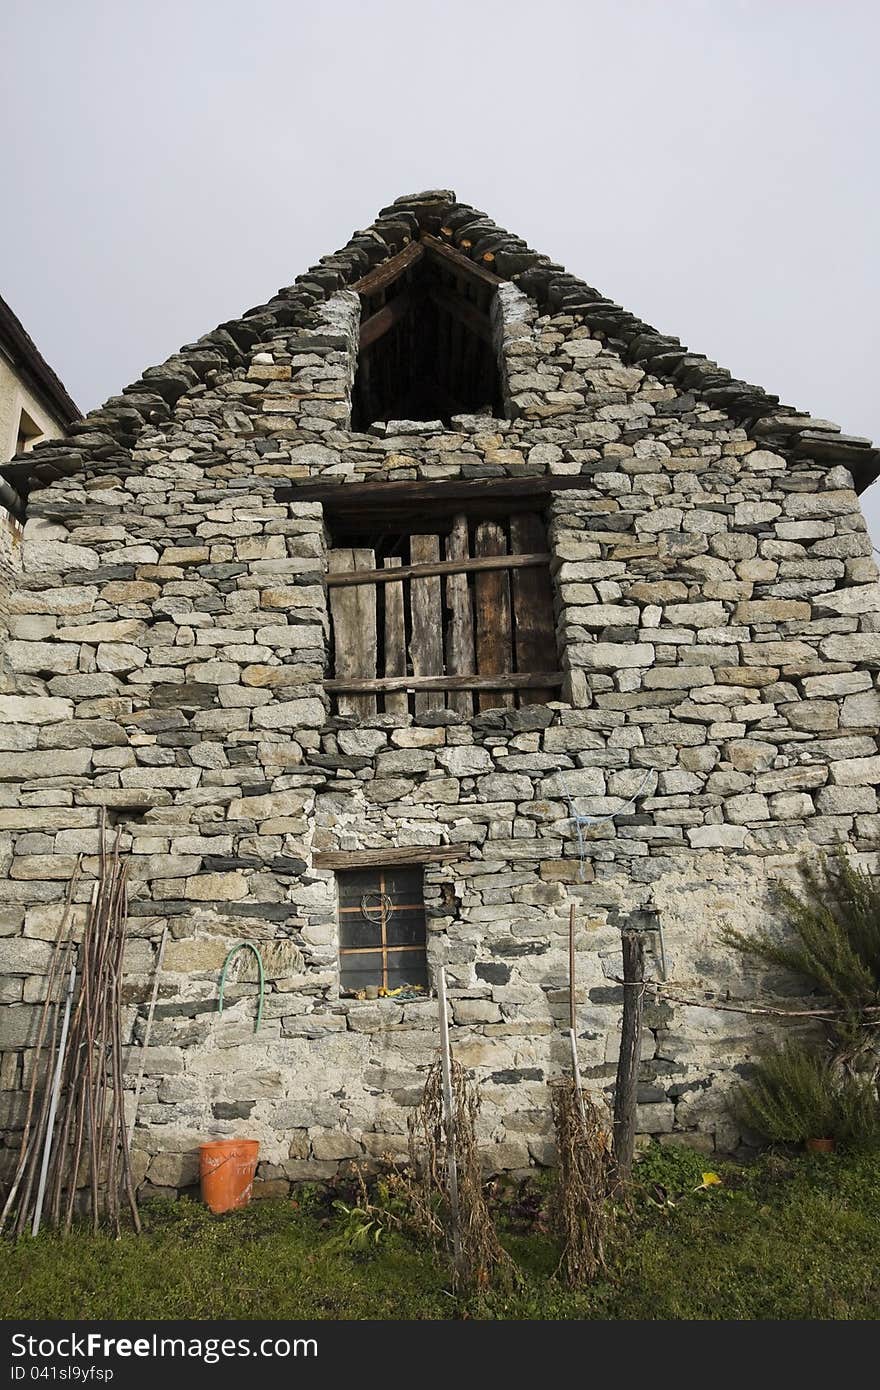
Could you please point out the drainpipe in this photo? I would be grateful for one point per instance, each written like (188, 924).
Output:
(10, 499)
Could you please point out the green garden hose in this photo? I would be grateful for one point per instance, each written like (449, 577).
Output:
(244, 946)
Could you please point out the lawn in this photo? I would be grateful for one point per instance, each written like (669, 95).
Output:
(785, 1238)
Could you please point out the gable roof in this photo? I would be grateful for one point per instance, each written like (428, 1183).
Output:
(17, 344)
(102, 442)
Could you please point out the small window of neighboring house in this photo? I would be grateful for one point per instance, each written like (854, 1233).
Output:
(449, 613)
(28, 433)
(382, 929)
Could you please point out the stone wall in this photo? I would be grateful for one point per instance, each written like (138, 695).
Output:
(718, 624)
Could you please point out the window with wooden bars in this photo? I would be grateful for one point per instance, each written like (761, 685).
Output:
(382, 941)
(456, 615)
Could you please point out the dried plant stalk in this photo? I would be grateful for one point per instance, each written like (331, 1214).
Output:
(584, 1183)
(482, 1260)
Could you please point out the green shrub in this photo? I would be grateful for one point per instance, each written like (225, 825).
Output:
(835, 942)
(797, 1094)
(859, 1113)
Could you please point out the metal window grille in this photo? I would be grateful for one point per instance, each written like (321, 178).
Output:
(382, 929)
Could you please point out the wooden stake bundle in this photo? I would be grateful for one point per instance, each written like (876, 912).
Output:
(79, 1136)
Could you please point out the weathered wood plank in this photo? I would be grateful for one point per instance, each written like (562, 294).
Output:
(460, 655)
(413, 495)
(626, 1083)
(396, 702)
(494, 634)
(533, 623)
(384, 319)
(386, 273)
(512, 680)
(462, 264)
(354, 630)
(448, 566)
(377, 858)
(426, 614)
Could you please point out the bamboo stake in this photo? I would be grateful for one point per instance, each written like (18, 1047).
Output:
(53, 1104)
(572, 1016)
(41, 1028)
(147, 1030)
(449, 1119)
(82, 1104)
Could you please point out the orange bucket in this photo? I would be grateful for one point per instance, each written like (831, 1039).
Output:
(226, 1169)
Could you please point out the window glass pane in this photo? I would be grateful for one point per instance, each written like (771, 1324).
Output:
(354, 883)
(405, 929)
(355, 930)
(380, 911)
(406, 968)
(404, 885)
(360, 969)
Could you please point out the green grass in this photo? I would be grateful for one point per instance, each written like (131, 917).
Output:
(784, 1239)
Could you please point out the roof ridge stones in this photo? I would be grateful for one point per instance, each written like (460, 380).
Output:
(102, 441)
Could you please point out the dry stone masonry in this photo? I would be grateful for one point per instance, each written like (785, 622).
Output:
(165, 644)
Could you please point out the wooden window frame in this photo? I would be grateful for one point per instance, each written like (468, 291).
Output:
(485, 641)
(385, 948)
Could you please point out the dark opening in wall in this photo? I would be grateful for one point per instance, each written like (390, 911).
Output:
(426, 345)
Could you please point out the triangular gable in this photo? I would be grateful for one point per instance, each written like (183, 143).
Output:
(102, 442)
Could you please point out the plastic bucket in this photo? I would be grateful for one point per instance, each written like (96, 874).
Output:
(820, 1146)
(226, 1170)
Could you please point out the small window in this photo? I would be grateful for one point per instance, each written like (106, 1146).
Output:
(28, 433)
(382, 930)
(427, 350)
(458, 616)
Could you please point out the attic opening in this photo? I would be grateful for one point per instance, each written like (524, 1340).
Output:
(426, 350)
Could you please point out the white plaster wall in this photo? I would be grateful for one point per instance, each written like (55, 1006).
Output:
(15, 397)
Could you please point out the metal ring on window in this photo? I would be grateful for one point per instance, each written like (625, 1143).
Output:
(379, 913)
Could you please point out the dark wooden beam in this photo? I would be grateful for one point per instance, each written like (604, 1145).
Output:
(379, 858)
(447, 255)
(509, 680)
(355, 497)
(386, 273)
(380, 323)
(393, 576)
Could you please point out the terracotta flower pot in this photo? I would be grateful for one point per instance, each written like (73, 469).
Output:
(820, 1146)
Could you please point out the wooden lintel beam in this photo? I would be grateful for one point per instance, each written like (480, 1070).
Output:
(353, 497)
(514, 680)
(462, 263)
(386, 273)
(467, 314)
(379, 858)
(380, 323)
(393, 576)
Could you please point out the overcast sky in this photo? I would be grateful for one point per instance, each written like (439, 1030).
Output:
(710, 164)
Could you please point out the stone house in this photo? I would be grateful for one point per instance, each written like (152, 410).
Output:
(34, 405)
(385, 623)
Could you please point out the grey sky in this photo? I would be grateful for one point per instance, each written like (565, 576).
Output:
(711, 165)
